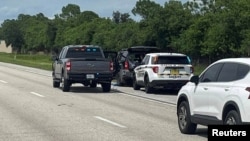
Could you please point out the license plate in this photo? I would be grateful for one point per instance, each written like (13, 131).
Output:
(174, 72)
(90, 76)
(174, 76)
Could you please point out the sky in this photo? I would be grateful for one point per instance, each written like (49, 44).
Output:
(10, 9)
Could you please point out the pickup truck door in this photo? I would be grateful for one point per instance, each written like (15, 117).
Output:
(58, 64)
(58, 68)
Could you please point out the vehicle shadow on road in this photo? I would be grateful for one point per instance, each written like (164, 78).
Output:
(84, 89)
(163, 91)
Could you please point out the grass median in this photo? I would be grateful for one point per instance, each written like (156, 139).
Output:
(30, 60)
(45, 62)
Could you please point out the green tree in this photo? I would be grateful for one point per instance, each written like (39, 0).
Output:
(34, 29)
(70, 11)
(1, 33)
(12, 34)
(177, 19)
(151, 22)
(121, 17)
(87, 16)
(147, 9)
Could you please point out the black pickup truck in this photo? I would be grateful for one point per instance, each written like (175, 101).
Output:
(84, 64)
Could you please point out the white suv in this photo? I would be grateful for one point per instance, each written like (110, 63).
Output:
(220, 95)
(162, 70)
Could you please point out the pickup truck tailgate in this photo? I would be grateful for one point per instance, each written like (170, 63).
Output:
(90, 66)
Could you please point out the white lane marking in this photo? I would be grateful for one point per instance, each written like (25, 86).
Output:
(111, 122)
(3, 81)
(37, 94)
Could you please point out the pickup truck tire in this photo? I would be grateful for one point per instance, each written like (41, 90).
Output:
(93, 85)
(65, 85)
(106, 87)
(56, 84)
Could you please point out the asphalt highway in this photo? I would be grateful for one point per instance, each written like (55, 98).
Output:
(32, 110)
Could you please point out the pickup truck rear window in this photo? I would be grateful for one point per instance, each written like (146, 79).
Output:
(84, 52)
(173, 60)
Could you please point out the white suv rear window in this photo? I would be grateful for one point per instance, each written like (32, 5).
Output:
(172, 60)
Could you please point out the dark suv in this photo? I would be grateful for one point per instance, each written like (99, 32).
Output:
(127, 60)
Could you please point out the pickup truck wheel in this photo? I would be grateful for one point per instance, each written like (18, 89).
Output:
(65, 85)
(148, 88)
(93, 85)
(56, 84)
(106, 87)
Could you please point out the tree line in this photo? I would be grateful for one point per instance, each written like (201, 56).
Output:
(205, 30)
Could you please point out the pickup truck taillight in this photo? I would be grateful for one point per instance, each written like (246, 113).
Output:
(111, 66)
(155, 69)
(68, 65)
(126, 65)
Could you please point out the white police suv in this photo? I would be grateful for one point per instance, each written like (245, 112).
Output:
(162, 70)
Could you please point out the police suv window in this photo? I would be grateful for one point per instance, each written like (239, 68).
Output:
(145, 60)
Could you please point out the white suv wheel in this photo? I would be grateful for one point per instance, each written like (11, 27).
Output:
(232, 118)
(184, 120)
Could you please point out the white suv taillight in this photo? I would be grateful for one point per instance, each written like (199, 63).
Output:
(155, 69)
(192, 69)
(68, 65)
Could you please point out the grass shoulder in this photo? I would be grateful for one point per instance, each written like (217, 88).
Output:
(43, 61)
(40, 61)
